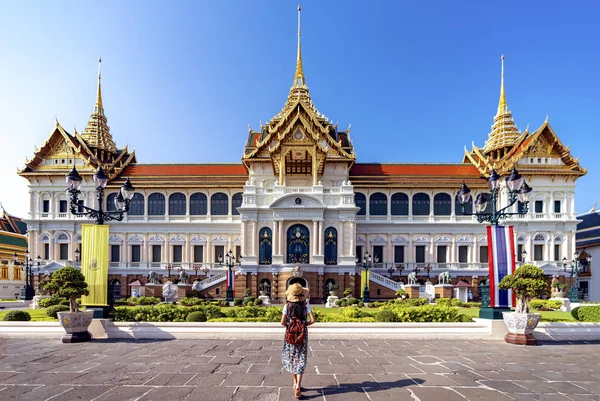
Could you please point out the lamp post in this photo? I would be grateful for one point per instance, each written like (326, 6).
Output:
(230, 262)
(574, 269)
(196, 267)
(206, 270)
(367, 264)
(169, 267)
(400, 269)
(390, 271)
(28, 291)
(428, 270)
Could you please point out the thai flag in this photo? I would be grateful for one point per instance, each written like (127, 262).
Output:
(501, 261)
(231, 279)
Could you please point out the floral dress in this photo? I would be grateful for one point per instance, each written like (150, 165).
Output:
(293, 357)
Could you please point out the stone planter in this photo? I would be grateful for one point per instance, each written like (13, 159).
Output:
(558, 294)
(76, 325)
(333, 293)
(520, 327)
(264, 293)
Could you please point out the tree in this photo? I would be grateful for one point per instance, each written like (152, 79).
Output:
(68, 282)
(527, 282)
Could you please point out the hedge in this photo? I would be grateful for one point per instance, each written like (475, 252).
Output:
(17, 316)
(552, 304)
(144, 300)
(428, 313)
(175, 313)
(53, 310)
(587, 313)
(198, 316)
(191, 301)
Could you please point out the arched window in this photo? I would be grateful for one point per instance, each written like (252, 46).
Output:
(360, 201)
(331, 246)
(420, 204)
(177, 203)
(265, 287)
(399, 204)
(298, 244)
(110, 202)
(458, 207)
(265, 244)
(156, 204)
(136, 207)
(442, 205)
(219, 204)
(198, 204)
(236, 201)
(378, 204)
(329, 283)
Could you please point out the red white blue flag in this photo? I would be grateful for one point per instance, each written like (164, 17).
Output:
(501, 261)
(231, 279)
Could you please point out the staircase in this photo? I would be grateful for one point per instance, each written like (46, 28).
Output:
(386, 282)
(210, 281)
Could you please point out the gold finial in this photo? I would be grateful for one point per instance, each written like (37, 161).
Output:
(546, 118)
(593, 209)
(527, 128)
(299, 75)
(99, 107)
(502, 107)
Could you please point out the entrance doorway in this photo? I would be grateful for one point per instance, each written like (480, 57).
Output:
(298, 244)
(299, 280)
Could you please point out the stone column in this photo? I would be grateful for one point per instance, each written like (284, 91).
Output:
(321, 237)
(314, 238)
(280, 237)
(275, 241)
(352, 238)
(253, 237)
(243, 237)
(341, 241)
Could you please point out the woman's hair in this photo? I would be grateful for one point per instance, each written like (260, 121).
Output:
(297, 309)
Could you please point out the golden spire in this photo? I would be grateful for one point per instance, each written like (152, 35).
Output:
(502, 106)
(299, 80)
(98, 107)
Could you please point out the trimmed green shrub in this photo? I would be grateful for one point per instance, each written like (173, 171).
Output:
(195, 294)
(401, 292)
(343, 303)
(347, 291)
(250, 303)
(68, 282)
(386, 316)
(351, 313)
(575, 313)
(413, 301)
(427, 313)
(337, 318)
(190, 301)
(258, 302)
(273, 313)
(338, 302)
(473, 305)
(64, 302)
(527, 282)
(443, 301)
(54, 309)
(198, 316)
(352, 300)
(248, 300)
(224, 304)
(17, 316)
(546, 304)
(53, 300)
(360, 304)
(144, 300)
(240, 319)
(238, 302)
(457, 302)
(589, 313)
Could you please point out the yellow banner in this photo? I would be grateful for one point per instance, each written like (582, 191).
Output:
(94, 263)
(368, 278)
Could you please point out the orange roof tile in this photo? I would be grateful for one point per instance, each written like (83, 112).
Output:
(184, 170)
(379, 169)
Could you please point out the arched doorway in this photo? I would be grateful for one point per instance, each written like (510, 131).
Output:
(298, 244)
(329, 282)
(300, 280)
(331, 246)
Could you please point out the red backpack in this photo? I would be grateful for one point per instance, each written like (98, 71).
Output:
(295, 331)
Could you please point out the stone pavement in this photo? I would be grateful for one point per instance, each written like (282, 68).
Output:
(371, 369)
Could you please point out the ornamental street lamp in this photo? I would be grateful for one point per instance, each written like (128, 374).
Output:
(122, 201)
(428, 270)
(574, 269)
(367, 264)
(400, 268)
(206, 270)
(518, 190)
(28, 291)
(230, 262)
(196, 267)
(169, 267)
(390, 271)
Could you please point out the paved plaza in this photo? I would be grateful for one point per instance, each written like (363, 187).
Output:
(221, 370)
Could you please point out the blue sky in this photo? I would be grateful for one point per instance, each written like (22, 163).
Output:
(182, 81)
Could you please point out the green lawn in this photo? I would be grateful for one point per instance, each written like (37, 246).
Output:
(9, 300)
(37, 315)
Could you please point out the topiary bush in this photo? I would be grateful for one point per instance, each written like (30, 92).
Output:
(68, 282)
(443, 301)
(401, 293)
(545, 304)
(527, 282)
(575, 313)
(188, 301)
(238, 302)
(198, 316)
(338, 302)
(258, 302)
(195, 294)
(53, 300)
(144, 300)
(224, 304)
(250, 303)
(17, 316)
(588, 313)
(473, 305)
(427, 313)
(53, 310)
(386, 316)
(248, 300)
(64, 302)
(360, 304)
(457, 302)
(352, 300)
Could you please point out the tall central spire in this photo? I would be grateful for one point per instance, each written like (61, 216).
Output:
(299, 80)
(502, 106)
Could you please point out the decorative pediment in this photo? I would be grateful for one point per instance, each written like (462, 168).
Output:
(443, 240)
(114, 239)
(44, 238)
(155, 239)
(135, 238)
(558, 239)
(378, 240)
(421, 240)
(78, 238)
(400, 240)
(177, 238)
(237, 241)
(482, 240)
(297, 201)
(198, 240)
(360, 240)
(464, 240)
(218, 240)
(62, 237)
(521, 240)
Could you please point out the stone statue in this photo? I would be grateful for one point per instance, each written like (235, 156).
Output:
(412, 278)
(444, 278)
(153, 278)
(169, 291)
(183, 277)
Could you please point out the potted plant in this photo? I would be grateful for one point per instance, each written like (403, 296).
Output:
(401, 293)
(265, 288)
(247, 292)
(348, 292)
(333, 287)
(527, 282)
(558, 290)
(68, 282)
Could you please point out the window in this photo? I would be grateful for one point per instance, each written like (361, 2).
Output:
(110, 202)
(115, 253)
(442, 205)
(46, 251)
(80, 206)
(420, 254)
(538, 253)
(198, 253)
(156, 253)
(539, 206)
(236, 201)
(177, 203)
(177, 253)
(556, 206)
(136, 253)
(219, 204)
(399, 204)
(361, 202)
(219, 253)
(463, 254)
(330, 246)
(4, 272)
(520, 207)
(45, 206)
(556, 252)
(458, 207)
(156, 204)
(238, 253)
(198, 204)
(519, 256)
(264, 246)
(378, 254)
(16, 272)
(420, 204)
(136, 207)
(399, 254)
(64, 251)
(483, 254)
(441, 253)
(62, 206)
(378, 204)
(359, 253)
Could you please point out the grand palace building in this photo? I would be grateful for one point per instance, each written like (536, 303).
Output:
(300, 197)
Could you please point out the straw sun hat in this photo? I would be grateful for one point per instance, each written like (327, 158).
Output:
(296, 293)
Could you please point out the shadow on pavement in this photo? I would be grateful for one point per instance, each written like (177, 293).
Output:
(349, 388)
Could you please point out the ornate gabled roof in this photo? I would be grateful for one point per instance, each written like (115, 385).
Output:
(12, 224)
(298, 112)
(97, 132)
(504, 130)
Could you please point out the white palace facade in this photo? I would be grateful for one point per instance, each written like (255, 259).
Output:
(299, 197)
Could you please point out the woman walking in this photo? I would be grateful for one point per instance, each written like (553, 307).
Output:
(293, 356)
